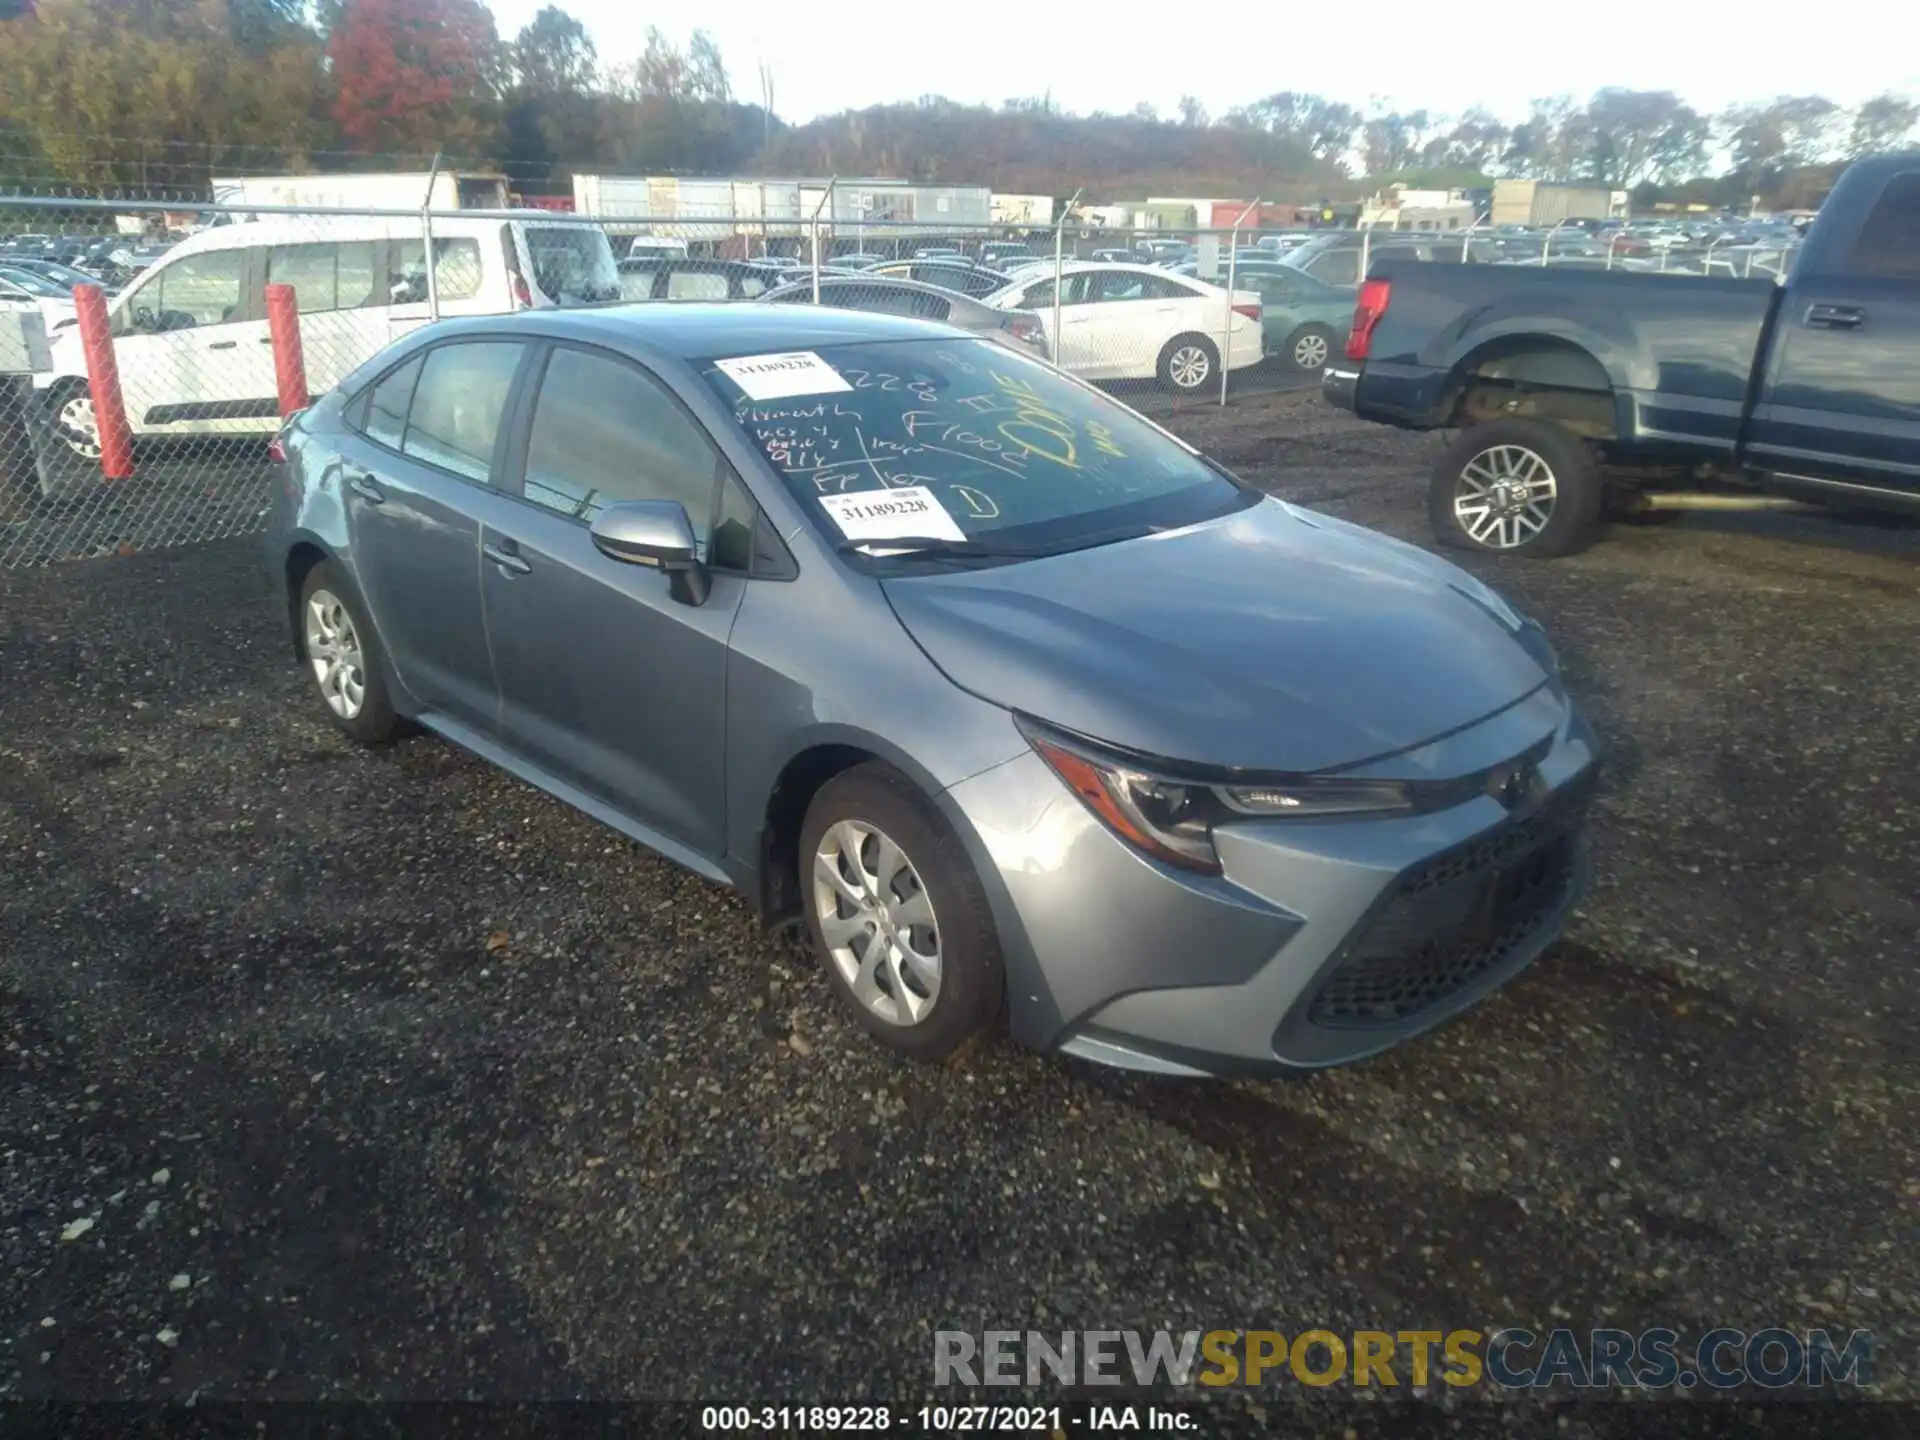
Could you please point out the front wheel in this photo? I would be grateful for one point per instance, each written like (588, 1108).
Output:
(74, 423)
(1187, 363)
(897, 915)
(1516, 487)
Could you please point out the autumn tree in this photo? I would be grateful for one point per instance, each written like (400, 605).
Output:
(1325, 127)
(1882, 123)
(416, 76)
(1780, 134)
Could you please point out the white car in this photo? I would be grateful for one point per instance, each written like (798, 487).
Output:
(1137, 322)
(190, 332)
(55, 307)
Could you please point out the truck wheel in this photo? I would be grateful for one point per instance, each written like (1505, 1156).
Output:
(1516, 487)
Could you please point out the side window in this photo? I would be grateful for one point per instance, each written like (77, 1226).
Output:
(604, 432)
(752, 285)
(456, 266)
(1038, 297)
(387, 406)
(324, 277)
(637, 283)
(1889, 243)
(198, 290)
(696, 285)
(733, 534)
(1122, 285)
(458, 405)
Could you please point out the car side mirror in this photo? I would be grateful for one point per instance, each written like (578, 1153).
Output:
(655, 533)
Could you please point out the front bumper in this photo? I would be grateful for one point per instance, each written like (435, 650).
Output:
(1337, 386)
(1322, 943)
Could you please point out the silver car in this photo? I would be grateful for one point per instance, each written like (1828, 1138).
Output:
(882, 295)
(1027, 710)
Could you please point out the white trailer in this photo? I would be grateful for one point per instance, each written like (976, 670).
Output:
(391, 190)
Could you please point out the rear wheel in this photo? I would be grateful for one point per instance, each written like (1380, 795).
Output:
(897, 915)
(1516, 487)
(1187, 363)
(75, 425)
(1308, 349)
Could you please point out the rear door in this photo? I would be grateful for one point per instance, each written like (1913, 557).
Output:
(1842, 396)
(606, 680)
(343, 310)
(413, 479)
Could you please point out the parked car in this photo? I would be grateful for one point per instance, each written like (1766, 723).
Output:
(998, 256)
(191, 331)
(65, 276)
(20, 288)
(1019, 705)
(668, 278)
(1304, 320)
(658, 246)
(858, 260)
(1114, 257)
(1136, 322)
(880, 296)
(1578, 391)
(1335, 255)
(949, 274)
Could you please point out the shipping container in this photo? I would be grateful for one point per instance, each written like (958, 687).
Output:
(1538, 202)
(1034, 210)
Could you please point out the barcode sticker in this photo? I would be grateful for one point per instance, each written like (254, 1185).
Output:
(912, 510)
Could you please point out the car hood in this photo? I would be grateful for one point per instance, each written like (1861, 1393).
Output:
(1271, 639)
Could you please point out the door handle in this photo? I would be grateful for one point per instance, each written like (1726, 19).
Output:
(362, 485)
(224, 345)
(507, 559)
(1835, 317)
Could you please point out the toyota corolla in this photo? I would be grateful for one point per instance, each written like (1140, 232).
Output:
(1028, 711)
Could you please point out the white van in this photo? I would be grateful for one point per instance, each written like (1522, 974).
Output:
(190, 333)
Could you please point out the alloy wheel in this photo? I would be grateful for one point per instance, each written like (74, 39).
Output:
(1505, 497)
(1188, 367)
(333, 650)
(1310, 352)
(878, 922)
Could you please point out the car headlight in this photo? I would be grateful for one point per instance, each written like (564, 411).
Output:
(1173, 818)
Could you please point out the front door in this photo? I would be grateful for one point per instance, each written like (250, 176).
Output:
(1842, 397)
(193, 351)
(606, 680)
(413, 483)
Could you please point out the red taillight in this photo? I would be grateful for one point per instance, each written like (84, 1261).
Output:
(522, 296)
(277, 451)
(1023, 327)
(1374, 295)
(1252, 311)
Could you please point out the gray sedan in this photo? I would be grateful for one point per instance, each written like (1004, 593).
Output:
(922, 301)
(1023, 707)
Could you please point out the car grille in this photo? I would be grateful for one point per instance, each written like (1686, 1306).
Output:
(1457, 917)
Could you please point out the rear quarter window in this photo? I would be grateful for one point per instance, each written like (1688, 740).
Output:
(1889, 243)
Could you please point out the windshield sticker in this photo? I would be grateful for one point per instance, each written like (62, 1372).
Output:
(775, 377)
(911, 511)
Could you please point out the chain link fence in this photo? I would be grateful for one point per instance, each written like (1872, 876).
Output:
(143, 419)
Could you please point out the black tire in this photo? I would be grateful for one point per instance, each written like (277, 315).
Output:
(375, 722)
(971, 983)
(1197, 376)
(17, 471)
(1572, 518)
(1290, 351)
(77, 442)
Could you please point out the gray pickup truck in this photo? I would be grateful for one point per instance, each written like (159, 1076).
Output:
(1583, 393)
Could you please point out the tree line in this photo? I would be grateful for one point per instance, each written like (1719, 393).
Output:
(166, 93)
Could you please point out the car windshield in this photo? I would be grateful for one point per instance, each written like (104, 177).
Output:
(573, 264)
(1002, 451)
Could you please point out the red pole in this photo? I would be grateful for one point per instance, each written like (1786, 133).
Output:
(289, 361)
(103, 381)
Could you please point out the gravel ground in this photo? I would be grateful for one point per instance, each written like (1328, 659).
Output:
(378, 1074)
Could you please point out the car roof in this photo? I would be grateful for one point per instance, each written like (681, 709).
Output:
(693, 331)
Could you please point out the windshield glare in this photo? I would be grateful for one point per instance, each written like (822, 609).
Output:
(1012, 452)
(573, 264)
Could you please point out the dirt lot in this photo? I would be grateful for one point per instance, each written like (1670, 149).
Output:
(382, 1075)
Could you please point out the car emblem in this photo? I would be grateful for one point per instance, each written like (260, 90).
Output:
(1511, 786)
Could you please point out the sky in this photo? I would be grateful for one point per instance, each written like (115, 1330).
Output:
(1434, 56)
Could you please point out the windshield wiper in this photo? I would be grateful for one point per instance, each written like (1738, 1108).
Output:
(937, 546)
